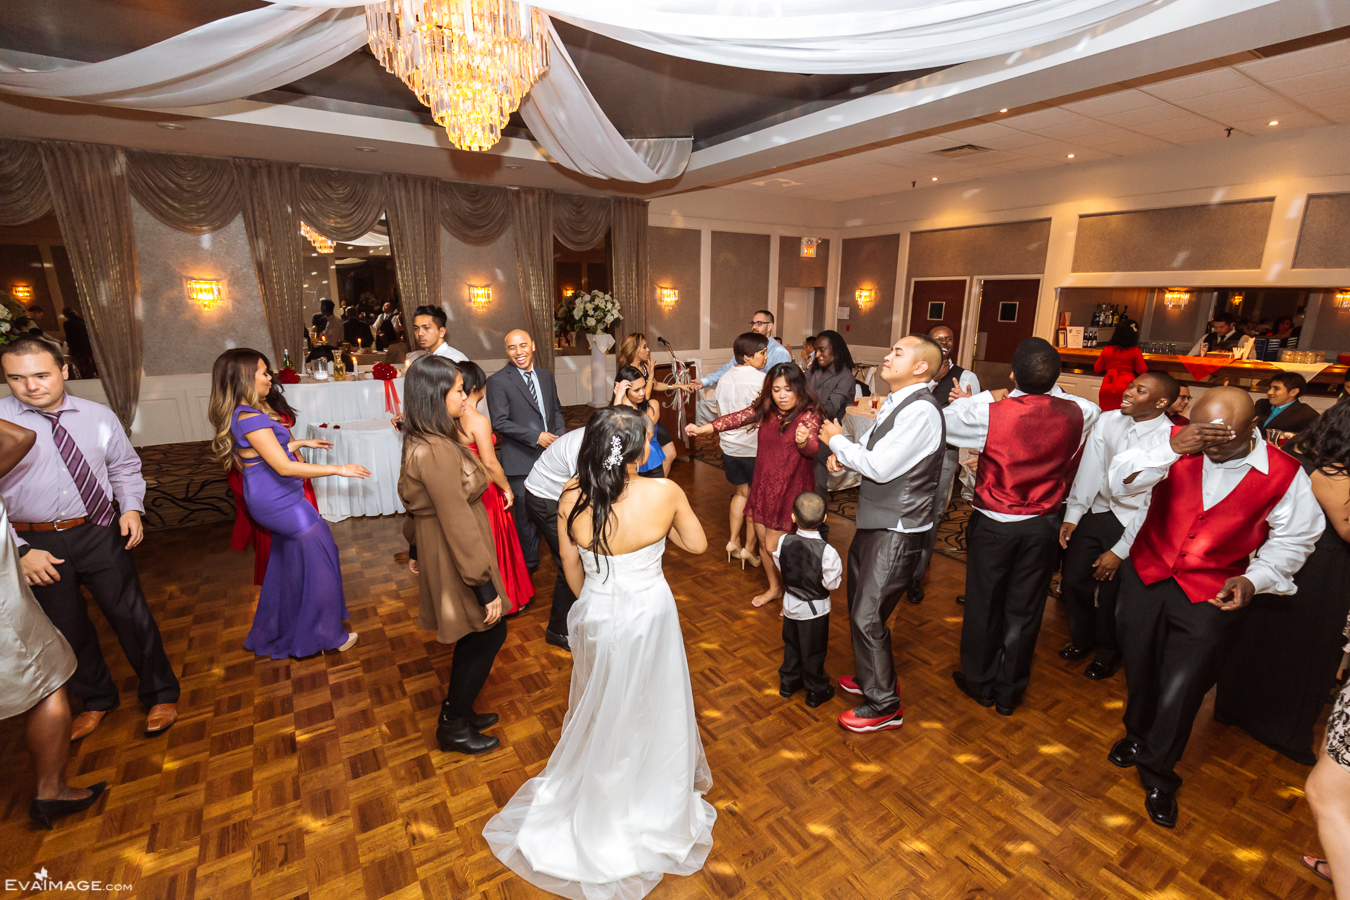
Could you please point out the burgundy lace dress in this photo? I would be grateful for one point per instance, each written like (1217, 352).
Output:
(782, 471)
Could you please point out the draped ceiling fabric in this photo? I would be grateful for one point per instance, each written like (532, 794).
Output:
(475, 214)
(270, 192)
(415, 235)
(24, 196)
(629, 249)
(340, 205)
(532, 223)
(88, 184)
(196, 194)
(580, 222)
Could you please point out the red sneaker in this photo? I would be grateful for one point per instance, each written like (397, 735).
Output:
(850, 684)
(865, 719)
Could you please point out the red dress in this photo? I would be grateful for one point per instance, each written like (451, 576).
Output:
(782, 471)
(1118, 366)
(247, 531)
(510, 558)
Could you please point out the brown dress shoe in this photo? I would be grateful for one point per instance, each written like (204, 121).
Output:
(162, 715)
(86, 722)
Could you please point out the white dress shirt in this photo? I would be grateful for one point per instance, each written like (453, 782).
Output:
(556, 466)
(968, 427)
(831, 575)
(968, 380)
(735, 391)
(1114, 433)
(916, 433)
(449, 353)
(1295, 523)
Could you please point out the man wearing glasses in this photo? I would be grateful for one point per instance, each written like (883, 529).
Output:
(760, 323)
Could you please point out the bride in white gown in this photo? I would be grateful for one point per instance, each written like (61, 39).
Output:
(620, 803)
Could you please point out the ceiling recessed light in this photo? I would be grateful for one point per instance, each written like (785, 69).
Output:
(171, 126)
(935, 178)
(365, 149)
(1004, 109)
(1274, 121)
(1070, 156)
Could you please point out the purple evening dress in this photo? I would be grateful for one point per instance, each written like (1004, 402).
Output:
(301, 607)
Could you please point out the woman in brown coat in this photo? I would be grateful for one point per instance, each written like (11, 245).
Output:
(442, 484)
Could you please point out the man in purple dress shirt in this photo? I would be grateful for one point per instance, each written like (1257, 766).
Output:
(60, 501)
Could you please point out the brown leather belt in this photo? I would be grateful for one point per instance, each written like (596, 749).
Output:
(64, 525)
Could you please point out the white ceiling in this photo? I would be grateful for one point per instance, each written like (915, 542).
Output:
(1302, 89)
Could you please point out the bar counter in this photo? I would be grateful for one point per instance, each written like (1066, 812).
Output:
(1245, 372)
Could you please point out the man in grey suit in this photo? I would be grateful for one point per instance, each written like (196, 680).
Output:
(527, 416)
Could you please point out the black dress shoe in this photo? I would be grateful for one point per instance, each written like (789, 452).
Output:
(479, 721)
(1124, 753)
(43, 811)
(960, 679)
(1100, 671)
(915, 593)
(1073, 654)
(458, 736)
(1004, 710)
(557, 640)
(961, 599)
(813, 699)
(1161, 807)
(787, 690)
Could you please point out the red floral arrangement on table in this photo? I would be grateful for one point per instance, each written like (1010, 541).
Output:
(387, 373)
(288, 376)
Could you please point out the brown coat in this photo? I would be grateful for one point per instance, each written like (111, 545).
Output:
(442, 486)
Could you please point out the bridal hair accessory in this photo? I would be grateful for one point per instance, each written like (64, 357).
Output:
(615, 454)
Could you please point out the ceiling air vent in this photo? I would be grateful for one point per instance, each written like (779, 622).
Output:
(959, 152)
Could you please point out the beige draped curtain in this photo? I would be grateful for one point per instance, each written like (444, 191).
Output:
(196, 194)
(628, 244)
(579, 222)
(340, 205)
(270, 194)
(475, 214)
(89, 191)
(532, 223)
(24, 196)
(415, 234)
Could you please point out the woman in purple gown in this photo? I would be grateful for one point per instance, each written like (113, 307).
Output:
(301, 608)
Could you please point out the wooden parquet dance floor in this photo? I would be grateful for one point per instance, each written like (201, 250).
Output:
(320, 778)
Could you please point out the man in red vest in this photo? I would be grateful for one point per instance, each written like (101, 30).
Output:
(1029, 446)
(1220, 494)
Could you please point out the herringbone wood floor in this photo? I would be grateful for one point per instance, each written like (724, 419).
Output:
(320, 778)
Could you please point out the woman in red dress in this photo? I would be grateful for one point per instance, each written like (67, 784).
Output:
(1120, 361)
(787, 416)
(247, 531)
(498, 498)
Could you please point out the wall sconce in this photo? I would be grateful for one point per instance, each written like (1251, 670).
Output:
(1342, 299)
(668, 297)
(1237, 298)
(205, 294)
(1176, 298)
(863, 297)
(321, 243)
(809, 247)
(22, 292)
(480, 295)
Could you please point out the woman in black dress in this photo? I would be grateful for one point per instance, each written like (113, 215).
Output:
(1280, 671)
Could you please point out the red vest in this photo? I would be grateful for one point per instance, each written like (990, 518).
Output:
(1202, 548)
(1030, 457)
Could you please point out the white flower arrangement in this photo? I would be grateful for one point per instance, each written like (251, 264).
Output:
(595, 311)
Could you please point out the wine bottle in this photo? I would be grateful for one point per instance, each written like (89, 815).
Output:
(286, 359)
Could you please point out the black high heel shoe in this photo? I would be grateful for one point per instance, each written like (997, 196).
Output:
(44, 811)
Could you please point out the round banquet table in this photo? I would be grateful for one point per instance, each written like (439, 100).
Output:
(318, 402)
(372, 443)
(856, 421)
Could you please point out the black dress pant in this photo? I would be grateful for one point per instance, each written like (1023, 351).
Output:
(1091, 604)
(1174, 650)
(526, 529)
(544, 514)
(97, 558)
(805, 643)
(1007, 578)
(881, 565)
(469, 668)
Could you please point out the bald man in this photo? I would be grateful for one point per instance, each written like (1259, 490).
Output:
(900, 460)
(1099, 526)
(1217, 494)
(527, 416)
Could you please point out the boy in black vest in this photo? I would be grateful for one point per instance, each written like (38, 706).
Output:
(811, 569)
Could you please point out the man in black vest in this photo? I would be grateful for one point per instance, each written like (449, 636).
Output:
(900, 460)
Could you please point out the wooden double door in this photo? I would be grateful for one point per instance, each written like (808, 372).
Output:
(1005, 316)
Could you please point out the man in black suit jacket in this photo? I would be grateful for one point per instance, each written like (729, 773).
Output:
(1282, 409)
(527, 416)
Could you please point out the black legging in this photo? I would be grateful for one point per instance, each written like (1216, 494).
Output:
(474, 654)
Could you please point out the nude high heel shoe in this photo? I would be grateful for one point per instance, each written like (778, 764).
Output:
(747, 557)
(733, 551)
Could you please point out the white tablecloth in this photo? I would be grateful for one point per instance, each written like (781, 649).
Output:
(856, 421)
(372, 443)
(316, 402)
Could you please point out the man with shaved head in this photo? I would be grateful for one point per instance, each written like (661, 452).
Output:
(900, 460)
(1217, 494)
(526, 416)
(1099, 526)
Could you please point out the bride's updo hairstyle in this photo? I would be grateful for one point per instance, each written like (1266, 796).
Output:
(614, 438)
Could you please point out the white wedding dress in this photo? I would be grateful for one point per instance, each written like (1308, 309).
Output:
(620, 803)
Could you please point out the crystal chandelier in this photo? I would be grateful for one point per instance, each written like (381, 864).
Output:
(321, 243)
(471, 61)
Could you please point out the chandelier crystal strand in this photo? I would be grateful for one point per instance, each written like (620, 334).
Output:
(471, 61)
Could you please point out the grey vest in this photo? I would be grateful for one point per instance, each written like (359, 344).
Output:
(911, 499)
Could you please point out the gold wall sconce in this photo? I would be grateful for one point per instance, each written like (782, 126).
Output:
(668, 297)
(809, 246)
(1176, 298)
(1342, 299)
(863, 297)
(480, 295)
(206, 294)
(22, 292)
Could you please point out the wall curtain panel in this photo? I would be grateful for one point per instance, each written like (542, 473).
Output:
(88, 184)
(23, 183)
(271, 205)
(415, 237)
(532, 222)
(629, 248)
(196, 194)
(580, 222)
(340, 205)
(475, 214)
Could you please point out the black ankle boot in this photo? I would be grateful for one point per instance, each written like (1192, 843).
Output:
(458, 736)
(480, 721)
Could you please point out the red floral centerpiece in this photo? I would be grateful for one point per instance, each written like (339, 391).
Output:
(387, 373)
(288, 376)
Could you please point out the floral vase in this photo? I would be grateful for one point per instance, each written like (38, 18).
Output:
(600, 343)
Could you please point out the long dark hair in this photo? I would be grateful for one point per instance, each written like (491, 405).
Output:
(627, 373)
(842, 358)
(807, 401)
(428, 380)
(1327, 443)
(1126, 334)
(600, 479)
